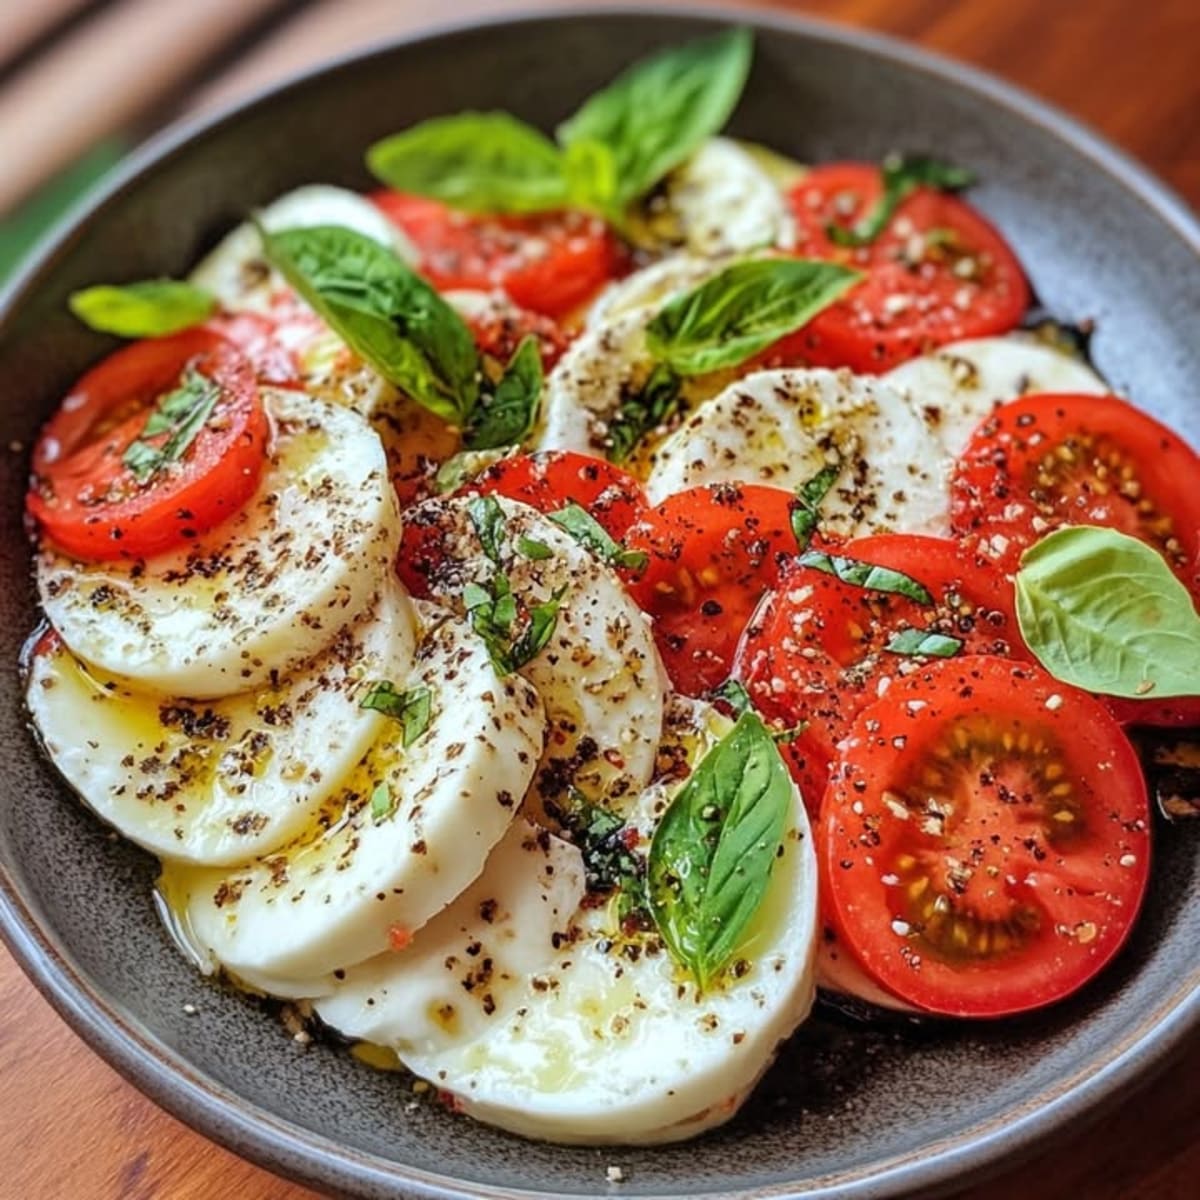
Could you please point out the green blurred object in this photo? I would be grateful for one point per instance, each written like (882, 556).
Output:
(22, 230)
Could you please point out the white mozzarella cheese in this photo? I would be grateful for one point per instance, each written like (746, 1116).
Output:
(610, 1043)
(464, 969)
(261, 593)
(222, 781)
(781, 427)
(958, 386)
(409, 830)
(720, 201)
(651, 287)
(599, 676)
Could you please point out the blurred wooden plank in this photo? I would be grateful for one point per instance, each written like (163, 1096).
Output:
(104, 74)
(22, 22)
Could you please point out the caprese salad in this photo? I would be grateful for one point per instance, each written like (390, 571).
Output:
(552, 614)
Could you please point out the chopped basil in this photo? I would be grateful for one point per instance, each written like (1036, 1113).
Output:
(901, 177)
(492, 610)
(592, 536)
(712, 853)
(385, 312)
(643, 411)
(742, 310)
(924, 642)
(488, 520)
(413, 708)
(532, 549)
(806, 510)
(1102, 610)
(734, 693)
(539, 628)
(866, 575)
(181, 415)
(507, 416)
(608, 862)
(147, 308)
(383, 803)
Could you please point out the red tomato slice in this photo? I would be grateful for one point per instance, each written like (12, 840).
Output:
(937, 273)
(87, 501)
(256, 337)
(1051, 460)
(984, 843)
(499, 333)
(816, 651)
(549, 263)
(713, 552)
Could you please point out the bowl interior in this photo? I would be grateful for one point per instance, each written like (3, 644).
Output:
(845, 1106)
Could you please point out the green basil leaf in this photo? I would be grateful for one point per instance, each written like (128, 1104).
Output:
(866, 575)
(488, 519)
(483, 162)
(507, 417)
(591, 170)
(924, 641)
(533, 550)
(148, 308)
(901, 177)
(712, 853)
(412, 708)
(543, 618)
(592, 536)
(743, 310)
(1102, 610)
(808, 503)
(385, 312)
(180, 414)
(383, 803)
(658, 111)
(734, 693)
(641, 412)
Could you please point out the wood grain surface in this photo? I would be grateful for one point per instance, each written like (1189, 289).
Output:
(70, 1127)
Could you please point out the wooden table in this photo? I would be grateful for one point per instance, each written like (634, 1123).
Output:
(70, 1127)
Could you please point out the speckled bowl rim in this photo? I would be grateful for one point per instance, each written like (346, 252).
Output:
(219, 1113)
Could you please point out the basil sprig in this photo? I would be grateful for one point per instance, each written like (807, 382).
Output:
(742, 310)
(1102, 610)
(618, 145)
(413, 708)
(712, 853)
(592, 536)
(809, 495)
(866, 575)
(643, 411)
(147, 308)
(901, 177)
(385, 312)
(180, 414)
(506, 416)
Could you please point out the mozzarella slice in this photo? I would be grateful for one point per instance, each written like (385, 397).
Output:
(609, 1043)
(781, 427)
(407, 832)
(235, 270)
(464, 970)
(217, 783)
(599, 675)
(260, 594)
(719, 201)
(960, 385)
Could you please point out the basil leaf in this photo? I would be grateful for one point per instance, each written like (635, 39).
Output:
(483, 162)
(808, 503)
(866, 575)
(1103, 611)
(924, 641)
(533, 550)
(385, 312)
(658, 111)
(734, 693)
(592, 536)
(412, 708)
(711, 855)
(383, 803)
(641, 412)
(181, 414)
(543, 618)
(148, 308)
(743, 310)
(488, 519)
(901, 177)
(591, 170)
(506, 418)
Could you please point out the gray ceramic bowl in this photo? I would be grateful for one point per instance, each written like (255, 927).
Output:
(847, 1112)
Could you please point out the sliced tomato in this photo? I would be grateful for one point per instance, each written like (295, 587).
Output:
(937, 273)
(816, 652)
(984, 843)
(84, 497)
(500, 332)
(549, 263)
(1050, 460)
(257, 338)
(713, 552)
